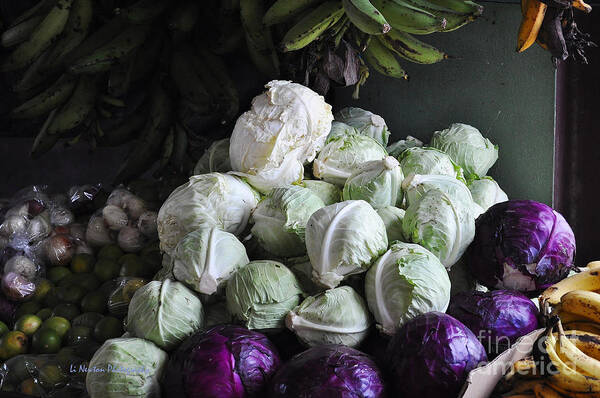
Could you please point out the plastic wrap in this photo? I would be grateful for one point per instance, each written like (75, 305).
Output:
(120, 291)
(83, 199)
(44, 376)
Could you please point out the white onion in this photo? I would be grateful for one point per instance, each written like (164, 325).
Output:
(114, 217)
(130, 240)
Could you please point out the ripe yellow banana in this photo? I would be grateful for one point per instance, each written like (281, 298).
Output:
(577, 359)
(583, 6)
(567, 380)
(41, 38)
(530, 24)
(583, 303)
(583, 326)
(585, 280)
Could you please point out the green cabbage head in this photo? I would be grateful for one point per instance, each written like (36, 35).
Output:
(261, 294)
(378, 182)
(343, 154)
(366, 123)
(336, 316)
(344, 239)
(280, 219)
(328, 193)
(206, 258)
(126, 367)
(392, 218)
(418, 160)
(206, 200)
(486, 192)
(407, 281)
(467, 147)
(400, 146)
(165, 313)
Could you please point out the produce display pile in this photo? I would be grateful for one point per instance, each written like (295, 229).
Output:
(156, 75)
(306, 256)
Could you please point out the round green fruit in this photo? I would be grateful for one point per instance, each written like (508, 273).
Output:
(55, 274)
(94, 302)
(58, 324)
(29, 307)
(89, 319)
(79, 335)
(82, 263)
(111, 252)
(12, 344)
(70, 294)
(108, 328)
(28, 324)
(106, 269)
(42, 287)
(66, 310)
(46, 341)
(3, 329)
(45, 313)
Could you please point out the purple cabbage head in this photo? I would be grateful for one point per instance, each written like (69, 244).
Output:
(223, 362)
(498, 318)
(328, 371)
(521, 245)
(432, 355)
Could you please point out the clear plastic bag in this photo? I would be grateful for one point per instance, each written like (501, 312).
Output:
(60, 375)
(120, 292)
(86, 198)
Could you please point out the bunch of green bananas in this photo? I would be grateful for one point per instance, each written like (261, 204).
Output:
(383, 30)
(112, 73)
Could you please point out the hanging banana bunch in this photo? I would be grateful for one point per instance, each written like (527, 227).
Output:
(550, 23)
(148, 74)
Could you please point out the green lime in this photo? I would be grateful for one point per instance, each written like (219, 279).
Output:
(70, 294)
(111, 252)
(42, 287)
(19, 368)
(28, 324)
(3, 329)
(31, 388)
(109, 327)
(45, 313)
(55, 274)
(57, 323)
(88, 281)
(79, 335)
(51, 376)
(106, 269)
(51, 298)
(82, 263)
(94, 302)
(89, 319)
(66, 310)
(129, 257)
(132, 265)
(68, 280)
(29, 307)
(46, 341)
(12, 344)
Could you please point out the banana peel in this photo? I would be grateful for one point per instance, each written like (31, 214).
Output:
(531, 23)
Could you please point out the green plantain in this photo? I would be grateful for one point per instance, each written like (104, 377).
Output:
(77, 108)
(384, 61)
(258, 38)
(411, 48)
(408, 18)
(366, 17)
(311, 26)
(47, 100)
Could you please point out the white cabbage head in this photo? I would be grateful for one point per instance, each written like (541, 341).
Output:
(206, 200)
(280, 219)
(366, 123)
(378, 182)
(284, 129)
(344, 239)
(343, 154)
(215, 158)
(328, 193)
(165, 313)
(392, 218)
(467, 147)
(126, 353)
(336, 316)
(407, 281)
(419, 160)
(486, 192)
(206, 258)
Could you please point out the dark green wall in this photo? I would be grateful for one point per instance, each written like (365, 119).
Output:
(508, 96)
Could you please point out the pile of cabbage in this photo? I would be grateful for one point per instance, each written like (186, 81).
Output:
(312, 225)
